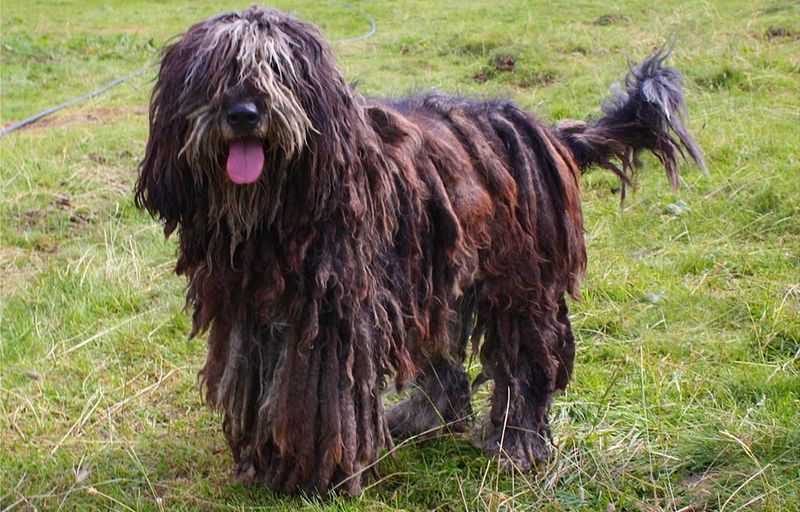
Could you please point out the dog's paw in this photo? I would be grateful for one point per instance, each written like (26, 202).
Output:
(245, 472)
(518, 449)
(412, 417)
(418, 416)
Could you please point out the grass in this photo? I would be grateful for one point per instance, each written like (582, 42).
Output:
(686, 395)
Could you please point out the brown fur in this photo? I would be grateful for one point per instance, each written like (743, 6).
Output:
(381, 236)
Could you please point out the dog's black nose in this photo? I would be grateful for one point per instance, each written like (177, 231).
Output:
(243, 114)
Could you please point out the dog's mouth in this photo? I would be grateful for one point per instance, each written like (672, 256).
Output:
(245, 160)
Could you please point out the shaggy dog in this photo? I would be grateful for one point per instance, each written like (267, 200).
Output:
(332, 243)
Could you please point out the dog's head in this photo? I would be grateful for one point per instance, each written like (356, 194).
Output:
(239, 99)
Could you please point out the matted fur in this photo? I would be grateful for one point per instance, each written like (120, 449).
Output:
(380, 237)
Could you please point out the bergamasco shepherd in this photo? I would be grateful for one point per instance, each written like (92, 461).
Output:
(334, 243)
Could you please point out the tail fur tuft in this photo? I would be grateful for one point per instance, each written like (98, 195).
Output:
(646, 114)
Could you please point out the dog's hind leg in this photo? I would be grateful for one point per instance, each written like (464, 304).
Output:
(440, 401)
(529, 358)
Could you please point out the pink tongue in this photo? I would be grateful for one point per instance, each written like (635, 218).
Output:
(245, 161)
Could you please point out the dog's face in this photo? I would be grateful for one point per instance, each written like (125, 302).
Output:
(239, 91)
(238, 99)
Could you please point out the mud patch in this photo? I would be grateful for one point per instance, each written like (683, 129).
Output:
(504, 62)
(512, 65)
(778, 33)
(97, 116)
(481, 77)
(57, 213)
(610, 19)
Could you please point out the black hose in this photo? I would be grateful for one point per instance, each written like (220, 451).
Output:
(43, 113)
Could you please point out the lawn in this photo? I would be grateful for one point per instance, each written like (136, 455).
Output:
(687, 387)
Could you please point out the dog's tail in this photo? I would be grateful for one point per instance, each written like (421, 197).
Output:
(647, 114)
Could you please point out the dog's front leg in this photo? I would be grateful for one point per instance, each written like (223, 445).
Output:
(303, 417)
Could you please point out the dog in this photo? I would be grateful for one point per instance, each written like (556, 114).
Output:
(333, 243)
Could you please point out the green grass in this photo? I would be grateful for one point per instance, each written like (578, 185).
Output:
(686, 394)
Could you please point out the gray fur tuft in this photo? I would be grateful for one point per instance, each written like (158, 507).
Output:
(645, 113)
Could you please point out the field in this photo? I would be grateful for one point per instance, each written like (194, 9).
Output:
(687, 387)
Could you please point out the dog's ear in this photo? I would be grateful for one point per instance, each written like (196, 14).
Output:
(165, 186)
